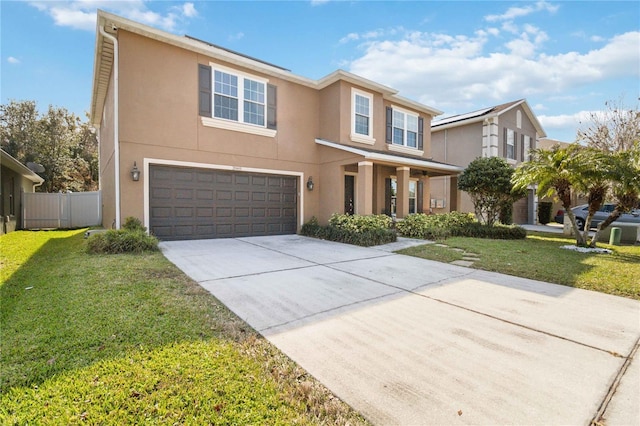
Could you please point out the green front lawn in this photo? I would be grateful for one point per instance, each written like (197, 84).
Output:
(124, 339)
(540, 257)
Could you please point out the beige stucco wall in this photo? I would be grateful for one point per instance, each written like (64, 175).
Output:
(159, 120)
(463, 144)
(107, 164)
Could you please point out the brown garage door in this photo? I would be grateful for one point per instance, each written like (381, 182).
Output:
(191, 203)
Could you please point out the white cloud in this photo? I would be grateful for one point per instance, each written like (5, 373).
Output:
(189, 10)
(13, 61)
(451, 72)
(81, 14)
(237, 36)
(318, 2)
(518, 12)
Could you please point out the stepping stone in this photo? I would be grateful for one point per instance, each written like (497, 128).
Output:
(458, 250)
(471, 259)
(440, 245)
(464, 263)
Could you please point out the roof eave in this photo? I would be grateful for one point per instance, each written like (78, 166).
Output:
(392, 159)
(13, 164)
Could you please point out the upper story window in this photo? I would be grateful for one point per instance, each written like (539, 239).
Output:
(362, 117)
(519, 119)
(510, 152)
(405, 129)
(235, 101)
(236, 97)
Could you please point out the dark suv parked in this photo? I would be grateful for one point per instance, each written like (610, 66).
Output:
(581, 214)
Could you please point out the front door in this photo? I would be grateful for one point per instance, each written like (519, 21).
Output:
(349, 194)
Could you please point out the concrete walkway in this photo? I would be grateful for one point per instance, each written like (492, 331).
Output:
(410, 341)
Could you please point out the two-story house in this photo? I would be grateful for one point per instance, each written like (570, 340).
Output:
(202, 142)
(509, 131)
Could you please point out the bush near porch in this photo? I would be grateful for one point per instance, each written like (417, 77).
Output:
(455, 224)
(353, 229)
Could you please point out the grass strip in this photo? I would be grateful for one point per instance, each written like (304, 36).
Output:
(540, 257)
(121, 339)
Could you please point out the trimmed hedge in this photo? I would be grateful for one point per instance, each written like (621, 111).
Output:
(352, 229)
(495, 232)
(454, 224)
(434, 226)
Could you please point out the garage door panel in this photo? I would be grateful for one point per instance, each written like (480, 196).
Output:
(188, 203)
(241, 195)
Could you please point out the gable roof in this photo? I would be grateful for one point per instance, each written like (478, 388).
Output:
(485, 113)
(104, 50)
(13, 164)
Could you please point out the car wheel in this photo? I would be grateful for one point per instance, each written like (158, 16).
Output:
(580, 223)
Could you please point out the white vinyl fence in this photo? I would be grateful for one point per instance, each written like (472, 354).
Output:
(58, 210)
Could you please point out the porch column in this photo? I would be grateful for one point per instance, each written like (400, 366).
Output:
(402, 200)
(364, 194)
(426, 195)
(454, 194)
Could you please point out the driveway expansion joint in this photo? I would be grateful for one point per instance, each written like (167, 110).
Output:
(602, 409)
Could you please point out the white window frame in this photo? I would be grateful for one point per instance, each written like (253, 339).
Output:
(404, 148)
(357, 137)
(526, 147)
(394, 206)
(238, 125)
(405, 128)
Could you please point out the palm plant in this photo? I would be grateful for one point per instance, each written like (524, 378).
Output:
(623, 171)
(554, 171)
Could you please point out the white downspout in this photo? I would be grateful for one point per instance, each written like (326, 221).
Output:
(116, 141)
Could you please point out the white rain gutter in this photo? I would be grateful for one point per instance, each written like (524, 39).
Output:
(116, 141)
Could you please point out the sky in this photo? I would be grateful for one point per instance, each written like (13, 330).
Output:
(566, 58)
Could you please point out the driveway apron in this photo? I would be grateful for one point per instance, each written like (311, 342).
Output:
(410, 341)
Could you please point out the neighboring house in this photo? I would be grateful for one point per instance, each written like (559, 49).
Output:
(228, 145)
(509, 131)
(576, 198)
(15, 179)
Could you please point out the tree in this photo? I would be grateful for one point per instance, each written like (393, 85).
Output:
(59, 140)
(616, 133)
(554, 171)
(488, 183)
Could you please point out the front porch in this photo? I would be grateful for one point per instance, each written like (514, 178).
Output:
(362, 181)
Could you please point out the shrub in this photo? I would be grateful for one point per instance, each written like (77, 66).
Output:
(352, 229)
(121, 241)
(435, 226)
(133, 224)
(495, 232)
(506, 213)
(360, 223)
(544, 212)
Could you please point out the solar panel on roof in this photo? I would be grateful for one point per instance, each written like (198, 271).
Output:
(461, 117)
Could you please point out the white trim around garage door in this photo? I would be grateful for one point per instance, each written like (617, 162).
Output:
(155, 161)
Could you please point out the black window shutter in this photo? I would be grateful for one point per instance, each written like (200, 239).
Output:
(420, 197)
(389, 133)
(515, 145)
(204, 90)
(522, 148)
(420, 133)
(387, 196)
(272, 103)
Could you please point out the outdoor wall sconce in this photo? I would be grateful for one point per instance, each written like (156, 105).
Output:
(310, 184)
(135, 173)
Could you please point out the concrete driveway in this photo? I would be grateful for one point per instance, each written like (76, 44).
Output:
(411, 341)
